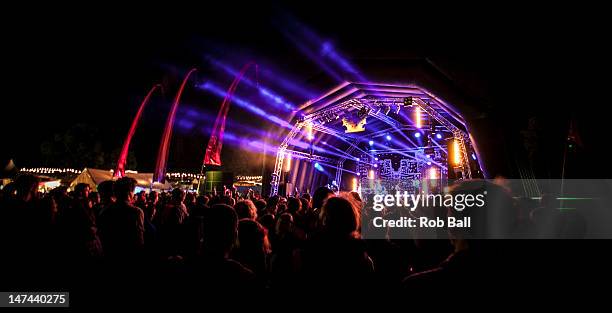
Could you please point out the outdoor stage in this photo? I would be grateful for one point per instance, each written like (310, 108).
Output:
(367, 136)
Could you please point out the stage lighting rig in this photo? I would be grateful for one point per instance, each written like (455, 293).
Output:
(429, 152)
(363, 112)
(418, 117)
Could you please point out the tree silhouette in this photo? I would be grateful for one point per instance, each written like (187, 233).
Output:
(78, 147)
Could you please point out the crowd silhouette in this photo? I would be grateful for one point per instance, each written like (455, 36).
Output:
(161, 242)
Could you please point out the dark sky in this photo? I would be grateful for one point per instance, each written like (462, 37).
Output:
(94, 66)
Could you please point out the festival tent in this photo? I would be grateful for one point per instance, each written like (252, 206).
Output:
(93, 177)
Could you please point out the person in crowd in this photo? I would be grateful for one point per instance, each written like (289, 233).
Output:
(94, 198)
(336, 255)
(151, 207)
(16, 210)
(261, 205)
(310, 220)
(301, 219)
(171, 230)
(214, 268)
(320, 196)
(355, 196)
(149, 210)
(190, 201)
(253, 248)
(281, 208)
(78, 228)
(81, 194)
(294, 206)
(272, 205)
(302, 242)
(122, 224)
(305, 205)
(200, 207)
(175, 212)
(495, 220)
(27, 233)
(232, 201)
(250, 195)
(141, 200)
(246, 209)
(193, 227)
(106, 189)
(287, 241)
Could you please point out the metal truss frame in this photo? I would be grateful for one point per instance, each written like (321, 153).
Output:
(360, 103)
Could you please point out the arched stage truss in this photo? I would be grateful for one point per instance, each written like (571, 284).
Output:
(387, 132)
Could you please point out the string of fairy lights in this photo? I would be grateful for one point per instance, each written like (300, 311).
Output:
(69, 171)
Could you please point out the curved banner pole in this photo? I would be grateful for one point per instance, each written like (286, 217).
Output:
(120, 170)
(215, 143)
(162, 155)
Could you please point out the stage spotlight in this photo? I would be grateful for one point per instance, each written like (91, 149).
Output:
(288, 164)
(456, 153)
(355, 184)
(358, 174)
(417, 117)
(433, 173)
(388, 138)
(473, 156)
(371, 174)
(319, 167)
(375, 165)
(375, 159)
(438, 136)
(428, 163)
(371, 142)
(324, 142)
(309, 131)
(417, 135)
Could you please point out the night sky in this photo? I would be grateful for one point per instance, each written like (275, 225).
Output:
(94, 67)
